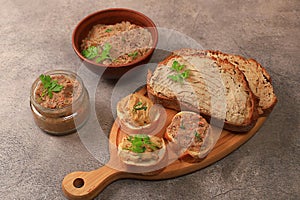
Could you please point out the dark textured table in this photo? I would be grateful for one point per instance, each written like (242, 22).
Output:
(35, 37)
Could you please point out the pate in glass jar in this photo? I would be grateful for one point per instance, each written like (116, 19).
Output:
(59, 102)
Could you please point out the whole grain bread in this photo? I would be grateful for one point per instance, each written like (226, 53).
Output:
(258, 78)
(214, 88)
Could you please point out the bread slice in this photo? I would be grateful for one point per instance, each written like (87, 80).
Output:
(214, 87)
(137, 114)
(129, 150)
(190, 136)
(258, 79)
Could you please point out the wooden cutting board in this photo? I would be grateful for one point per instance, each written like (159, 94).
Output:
(87, 185)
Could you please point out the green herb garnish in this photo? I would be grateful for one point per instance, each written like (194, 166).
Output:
(108, 30)
(198, 136)
(93, 52)
(90, 53)
(134, 54)
(140, 142)
(139, 106)
(180, 76)
(105, 53)
(176, 66)
(182, 125)
(176, 78)
(49, 85)
(185, 74)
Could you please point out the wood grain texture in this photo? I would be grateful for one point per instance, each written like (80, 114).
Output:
(87, 185)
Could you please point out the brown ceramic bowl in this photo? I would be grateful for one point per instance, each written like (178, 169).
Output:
(112, 16)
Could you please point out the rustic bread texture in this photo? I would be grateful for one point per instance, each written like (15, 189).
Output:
(215, 88)
(258, 79)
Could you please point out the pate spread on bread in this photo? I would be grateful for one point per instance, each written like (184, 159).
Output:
(258, 78)
(189, 134)
(215, 88)
(137, 114)
(141, 150)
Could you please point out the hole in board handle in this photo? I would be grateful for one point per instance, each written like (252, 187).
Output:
(78, 182)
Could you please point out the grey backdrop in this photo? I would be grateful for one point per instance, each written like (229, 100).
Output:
(35, 36)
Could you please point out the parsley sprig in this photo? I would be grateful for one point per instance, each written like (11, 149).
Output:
(108, 30)
(181, 75)
(140, 142)
(176, 66)
(49, 85)
(139, 106)
(133, 54)
(182, 125)
(92, 52)
(105, 53)
(198, 136)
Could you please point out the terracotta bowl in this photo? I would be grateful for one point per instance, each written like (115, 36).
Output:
(112, 16)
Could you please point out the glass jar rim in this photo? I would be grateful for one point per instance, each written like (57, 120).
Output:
(51, 73)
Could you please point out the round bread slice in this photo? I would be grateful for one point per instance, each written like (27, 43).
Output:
(141, 150)
(189, 135)
(137, 114)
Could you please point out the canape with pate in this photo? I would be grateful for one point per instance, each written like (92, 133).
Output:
(189, 135)
(141, 150)
(136, 113)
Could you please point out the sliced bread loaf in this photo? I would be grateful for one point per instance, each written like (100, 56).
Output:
(258, 79)
(215, 88)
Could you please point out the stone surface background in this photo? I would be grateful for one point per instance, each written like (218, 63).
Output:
(35, 37)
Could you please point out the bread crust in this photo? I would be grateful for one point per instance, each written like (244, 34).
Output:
(264, 110)
(190, 154)
(152, 128)
(239, 61)
(173, 103)
(140, 163)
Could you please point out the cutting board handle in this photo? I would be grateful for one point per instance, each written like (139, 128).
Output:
(87, 185)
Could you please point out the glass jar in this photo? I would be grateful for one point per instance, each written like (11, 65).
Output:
(62, 119)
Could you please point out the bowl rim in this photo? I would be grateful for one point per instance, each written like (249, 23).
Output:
(153, 47)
